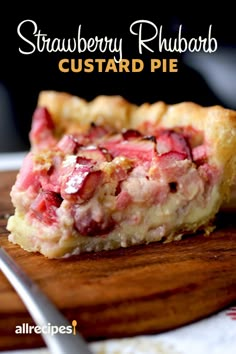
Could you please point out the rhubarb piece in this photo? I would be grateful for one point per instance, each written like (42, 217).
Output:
(41, 133)
(171, 141)
(107, 173)
(81, 183)
(68, 144)
(137, 149)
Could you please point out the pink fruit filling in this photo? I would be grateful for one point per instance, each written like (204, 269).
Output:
(100, 172)
(45, 205)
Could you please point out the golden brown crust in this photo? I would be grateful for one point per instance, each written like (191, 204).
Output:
(218, 126)
(65, 108)
(217, 123)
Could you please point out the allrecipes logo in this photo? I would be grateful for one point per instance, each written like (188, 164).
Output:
(25, 328)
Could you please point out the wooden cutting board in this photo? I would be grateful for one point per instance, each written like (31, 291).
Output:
(126, 292)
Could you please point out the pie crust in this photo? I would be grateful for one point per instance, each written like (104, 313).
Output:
(179, 207)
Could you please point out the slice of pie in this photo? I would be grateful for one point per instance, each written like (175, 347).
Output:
(107, 173)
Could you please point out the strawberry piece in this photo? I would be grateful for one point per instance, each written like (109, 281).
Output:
(131, 134)
(89, 224)
(41, 133)
(45, 205)
(89, 227)
(171, 141)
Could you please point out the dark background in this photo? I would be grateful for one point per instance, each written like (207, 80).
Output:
(24, 76)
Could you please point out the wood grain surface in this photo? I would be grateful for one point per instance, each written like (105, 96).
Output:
(126, 292)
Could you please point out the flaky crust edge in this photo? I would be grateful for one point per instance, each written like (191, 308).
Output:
(68, 111)
(217, 122)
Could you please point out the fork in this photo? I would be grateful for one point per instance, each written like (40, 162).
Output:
(42, 310)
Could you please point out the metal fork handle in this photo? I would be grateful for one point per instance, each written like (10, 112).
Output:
(41, 309)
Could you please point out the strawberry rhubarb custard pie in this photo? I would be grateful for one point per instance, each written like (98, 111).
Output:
(107, 173)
